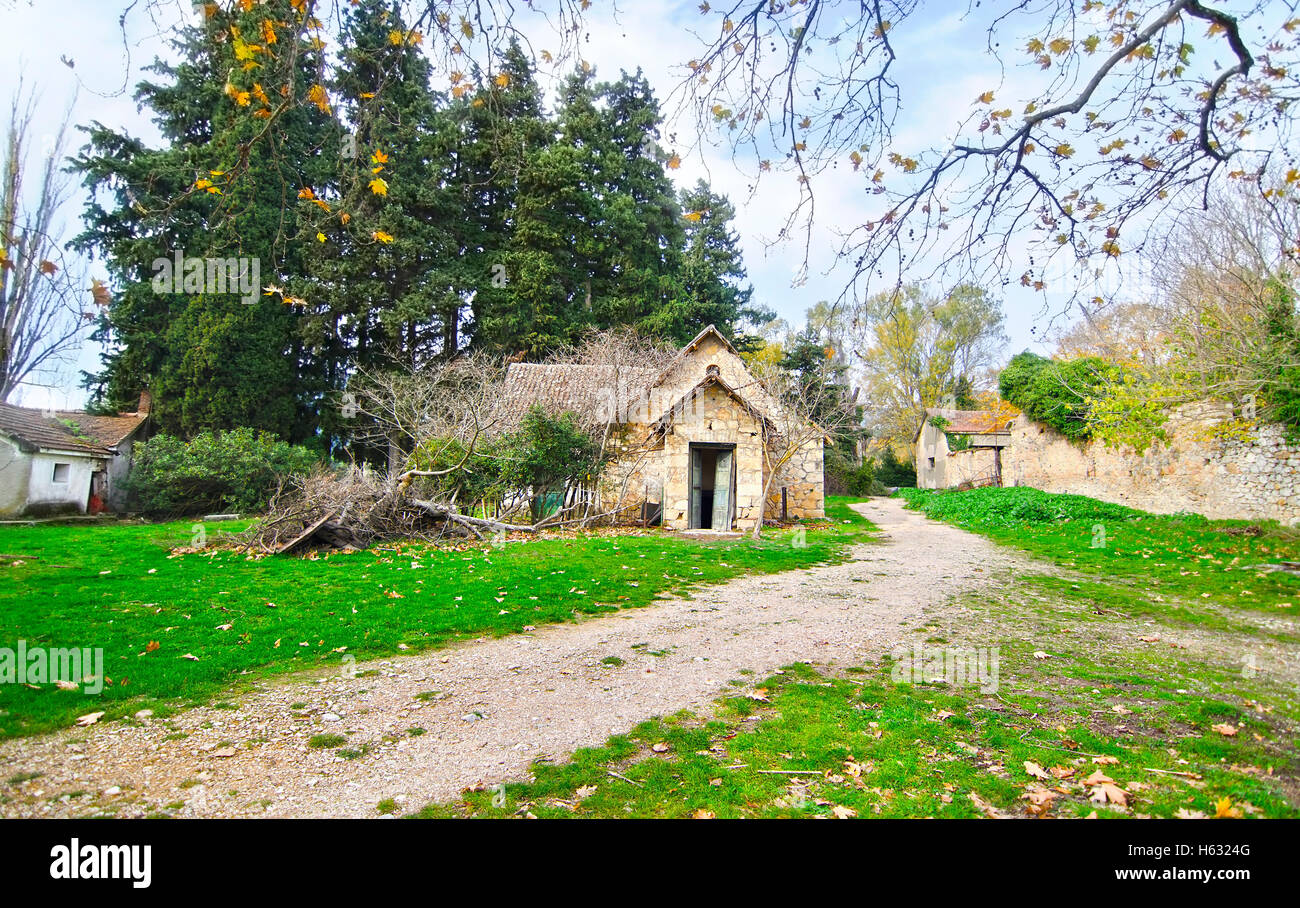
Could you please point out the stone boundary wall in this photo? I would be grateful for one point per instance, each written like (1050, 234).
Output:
(1258, 479)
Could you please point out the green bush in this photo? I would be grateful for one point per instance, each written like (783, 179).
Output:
(215, 471)
(894, 472)
(993, 506)
(545, 455)
(860, 480)
(1057, 393)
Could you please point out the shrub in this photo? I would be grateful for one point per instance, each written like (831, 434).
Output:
(1057, 393)
(894, 472)
(1007, 506)
(236, 470)
(544, 456)
(860, 480)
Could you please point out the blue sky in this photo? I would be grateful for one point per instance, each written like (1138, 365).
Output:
(942, 68)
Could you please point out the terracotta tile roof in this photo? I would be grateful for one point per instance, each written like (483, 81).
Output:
(583, 389)
(109, 431)
(34, 430)
(969, 422)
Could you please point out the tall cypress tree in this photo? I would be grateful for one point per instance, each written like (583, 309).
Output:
(711, 279)
(382, 233)
(500, 128)
(239, 145)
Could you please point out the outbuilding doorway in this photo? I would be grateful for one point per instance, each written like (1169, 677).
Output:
(713, 486)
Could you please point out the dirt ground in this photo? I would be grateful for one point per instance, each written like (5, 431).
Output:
(489, 708)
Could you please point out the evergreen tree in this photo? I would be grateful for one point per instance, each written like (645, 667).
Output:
(237, 152)
(711, 288)
(498, 127)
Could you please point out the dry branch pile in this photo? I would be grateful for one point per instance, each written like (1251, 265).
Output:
(357, 508)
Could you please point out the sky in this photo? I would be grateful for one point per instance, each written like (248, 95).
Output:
(943, 66)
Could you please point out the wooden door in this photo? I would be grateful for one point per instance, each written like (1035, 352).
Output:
(696, 483)
(722, 491)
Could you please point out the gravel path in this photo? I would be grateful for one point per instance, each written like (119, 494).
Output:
(491, 707)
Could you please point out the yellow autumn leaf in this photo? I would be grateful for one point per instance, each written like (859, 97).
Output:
(986, 98)
(382, 237)
(379, 186)
(674, 162)
(320, 236)
(268, 31)
(317, 95)
(1064, 149)
(379, 157)
(502, 80)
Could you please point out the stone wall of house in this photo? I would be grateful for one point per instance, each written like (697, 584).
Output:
(634, 474)
(803, 478)
(712, 416)
(977, 466)
(1254, 479)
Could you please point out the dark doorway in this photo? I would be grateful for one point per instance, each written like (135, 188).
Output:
(713, 480)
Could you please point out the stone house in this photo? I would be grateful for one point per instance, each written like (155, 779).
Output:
(66, 461)
(960, 448)
(691, 446)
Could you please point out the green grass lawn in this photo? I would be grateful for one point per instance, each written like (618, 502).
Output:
(1154, 661)
(180, 630)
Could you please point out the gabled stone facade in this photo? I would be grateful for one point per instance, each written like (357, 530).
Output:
(690, 444)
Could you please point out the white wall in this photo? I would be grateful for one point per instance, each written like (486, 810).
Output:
(42, 490)
(15, 471)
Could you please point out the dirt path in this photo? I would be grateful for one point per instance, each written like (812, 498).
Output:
(489, 708)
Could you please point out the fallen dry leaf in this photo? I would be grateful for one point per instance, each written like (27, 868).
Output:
(1040, 800)
(89, 718)
(1035, 770)
(1106, 792)
(1224, 728)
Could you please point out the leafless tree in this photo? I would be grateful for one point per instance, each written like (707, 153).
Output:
(1143, 103)
(802, 412)
(458, 402)
(42, 316)
(1217, 276)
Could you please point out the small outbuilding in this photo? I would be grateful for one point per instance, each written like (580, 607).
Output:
(688, 442)
(960, 448)
(66, 461)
